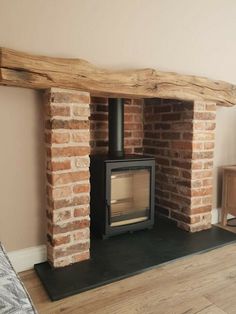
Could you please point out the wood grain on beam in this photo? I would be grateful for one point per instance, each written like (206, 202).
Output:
(37, 72)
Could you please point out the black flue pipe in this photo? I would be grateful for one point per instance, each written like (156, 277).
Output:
(116, 127)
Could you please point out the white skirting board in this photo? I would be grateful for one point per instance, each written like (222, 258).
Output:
(26, 258)
(215, 215)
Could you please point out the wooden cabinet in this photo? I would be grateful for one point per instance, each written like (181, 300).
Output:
(229, 193)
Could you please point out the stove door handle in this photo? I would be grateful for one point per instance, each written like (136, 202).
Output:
(108, 212)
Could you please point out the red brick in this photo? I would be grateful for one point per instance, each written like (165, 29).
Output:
(201, 174)
(181, 145)
(102, 108)
(57, 138)
(182, 106)
(158, 108)
(184, 226)
(81, 188)
(209, 145)
(82, 162)
(133, 126)
(60, 192)
(69, 177)
(82, 234)
(197, 136)
(171, 171)
(187, 219)
(170, 136)
(133, 109)
(168, 204)
(186, 174)
(137, 134)
(76, 201)
(70, 97)
(207, 200)
(161, 126)
(199, 227)
(52, 110)
(60, 240)
(58, 165)
(102, 125)
(60, 216)
(196, 201)
(67, 124)
(203, 155)
(80, 137)
(171, 117)
(208, 165)
(72, 249)
(99, 100)
(207, 126)
(68, 151)
(202, 191)
(62, 262)
(81, 211)
(128, 118)
(202, 209)
(138, 118)
(197, 146)
(80, 257)
(188, 136)
(204, 115)
(162, 161)
(96, 135)
(71, 226)
(181, 164)
(152, 135)
(99, 116)
(133, 142)
(182, 126)
(81, 111)
(180, 199)
(197, 165)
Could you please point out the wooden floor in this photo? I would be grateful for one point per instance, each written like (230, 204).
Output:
(203, 284)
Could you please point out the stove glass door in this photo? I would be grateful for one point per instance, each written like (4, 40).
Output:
(130, 196)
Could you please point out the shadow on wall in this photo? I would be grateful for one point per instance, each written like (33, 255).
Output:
(40, 162)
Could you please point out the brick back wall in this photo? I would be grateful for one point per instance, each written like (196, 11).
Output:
(180, 135)
(133, 137)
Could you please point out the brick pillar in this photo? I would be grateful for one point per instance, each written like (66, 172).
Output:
(67, 143)
(203, 142)
(180, 135)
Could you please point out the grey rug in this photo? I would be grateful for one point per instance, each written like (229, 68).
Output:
(14, 298)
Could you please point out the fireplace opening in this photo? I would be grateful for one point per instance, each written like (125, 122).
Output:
(122, 186)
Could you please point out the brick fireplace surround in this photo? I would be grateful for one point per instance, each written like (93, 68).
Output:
(179, 134)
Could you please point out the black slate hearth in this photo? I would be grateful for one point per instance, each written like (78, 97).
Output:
(129, 254)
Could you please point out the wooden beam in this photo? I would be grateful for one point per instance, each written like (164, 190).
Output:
(37, 72)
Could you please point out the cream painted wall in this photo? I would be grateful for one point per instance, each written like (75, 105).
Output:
(187, 36)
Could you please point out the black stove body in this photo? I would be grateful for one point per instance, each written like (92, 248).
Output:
(122, 186)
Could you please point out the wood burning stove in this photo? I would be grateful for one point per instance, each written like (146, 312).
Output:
(122, 186)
